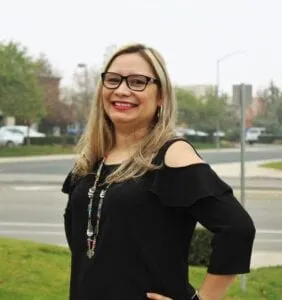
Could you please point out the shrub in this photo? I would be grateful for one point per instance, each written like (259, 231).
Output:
(199, 139)
(268, 138)
(52, 140)
(200, 249)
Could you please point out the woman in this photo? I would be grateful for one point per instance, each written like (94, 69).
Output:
(136, 193)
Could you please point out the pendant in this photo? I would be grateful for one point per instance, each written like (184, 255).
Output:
(89, 231)
(90, 253)
(91, 192)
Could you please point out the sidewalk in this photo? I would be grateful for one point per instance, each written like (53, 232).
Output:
(266, 259)
(252, 170)
(256, 177)
(4, 160)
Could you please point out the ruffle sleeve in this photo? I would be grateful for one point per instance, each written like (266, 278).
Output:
(210, 201)
(183, 186)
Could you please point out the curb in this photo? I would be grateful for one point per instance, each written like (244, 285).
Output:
(4, 160)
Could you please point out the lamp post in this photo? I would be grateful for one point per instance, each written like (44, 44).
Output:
(219, 60)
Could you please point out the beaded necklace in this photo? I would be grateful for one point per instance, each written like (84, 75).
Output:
(91, 232)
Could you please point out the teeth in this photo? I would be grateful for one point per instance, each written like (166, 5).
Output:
(122, 104)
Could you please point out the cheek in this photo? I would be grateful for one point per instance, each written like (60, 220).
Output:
(150, 99)
(106, 94)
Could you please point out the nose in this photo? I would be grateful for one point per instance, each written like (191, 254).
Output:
(123, 89)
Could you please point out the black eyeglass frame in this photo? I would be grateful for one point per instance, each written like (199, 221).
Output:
(122, 78)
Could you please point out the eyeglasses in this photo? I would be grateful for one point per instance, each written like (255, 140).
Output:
(136, 82)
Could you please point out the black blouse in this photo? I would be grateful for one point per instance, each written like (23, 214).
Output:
(145, 232)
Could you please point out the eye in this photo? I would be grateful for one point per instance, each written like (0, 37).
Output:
(137, 80)
(112, 79)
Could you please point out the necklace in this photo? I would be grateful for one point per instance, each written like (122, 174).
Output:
(91, 232)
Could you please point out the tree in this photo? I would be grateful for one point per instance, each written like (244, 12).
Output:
(188, 106)
(271, 118)
(215, 111)
(44, 67)
(58, 112)
(82, 93)
(20, 94)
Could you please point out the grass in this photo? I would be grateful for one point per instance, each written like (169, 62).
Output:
(273, 165)
(33, 271)
(33, 150)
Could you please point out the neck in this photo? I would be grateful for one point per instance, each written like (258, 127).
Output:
(126, 140)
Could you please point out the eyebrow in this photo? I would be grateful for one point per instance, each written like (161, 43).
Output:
(132, 73)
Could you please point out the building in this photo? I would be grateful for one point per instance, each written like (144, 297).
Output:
(199, 90)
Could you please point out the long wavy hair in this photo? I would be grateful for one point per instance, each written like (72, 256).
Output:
(99, 137)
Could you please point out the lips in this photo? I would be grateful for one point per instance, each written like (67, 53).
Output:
(123, 105)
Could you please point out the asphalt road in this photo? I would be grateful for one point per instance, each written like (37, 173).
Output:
(35, 213)
(60, 167)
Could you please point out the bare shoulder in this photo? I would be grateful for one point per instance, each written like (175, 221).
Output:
(181, 154)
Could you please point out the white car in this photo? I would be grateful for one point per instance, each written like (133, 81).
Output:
(219, 133)
(181, 131)
(24, 130)
(10, 138)
(253, 133)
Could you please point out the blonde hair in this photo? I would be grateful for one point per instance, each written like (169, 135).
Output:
(98, 137)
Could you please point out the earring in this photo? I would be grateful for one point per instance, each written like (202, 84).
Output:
(159, 111)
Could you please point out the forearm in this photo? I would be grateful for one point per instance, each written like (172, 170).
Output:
(215, 286)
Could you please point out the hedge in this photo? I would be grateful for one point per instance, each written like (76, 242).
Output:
(199, 139)
(52, 140)
(269, 138)
(200, 249)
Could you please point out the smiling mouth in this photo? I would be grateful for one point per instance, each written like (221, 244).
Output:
(123, 105)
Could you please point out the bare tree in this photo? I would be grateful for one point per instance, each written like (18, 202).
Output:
(82, 93)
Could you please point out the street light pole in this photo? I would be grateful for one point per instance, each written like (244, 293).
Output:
(218, 61)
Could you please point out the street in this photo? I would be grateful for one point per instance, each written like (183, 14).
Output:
(35, 213)
(62, 167)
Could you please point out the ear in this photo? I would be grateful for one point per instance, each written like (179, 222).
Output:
(159, 101)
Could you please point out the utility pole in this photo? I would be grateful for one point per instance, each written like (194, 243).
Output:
(242, 96)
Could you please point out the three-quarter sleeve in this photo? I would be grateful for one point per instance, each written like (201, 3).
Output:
(210, 201)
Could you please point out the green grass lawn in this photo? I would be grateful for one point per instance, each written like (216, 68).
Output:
(32, 271)
(273, 165)
(35, 150)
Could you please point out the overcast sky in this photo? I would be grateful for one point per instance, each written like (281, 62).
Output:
(190, 34)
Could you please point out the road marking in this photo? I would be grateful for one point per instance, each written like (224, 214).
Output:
(31, 224)
(35, 188)
(16, 232)
(269, 231)
(268, 241)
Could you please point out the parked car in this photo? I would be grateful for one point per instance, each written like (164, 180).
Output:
(181, 131)
(22, 129)
(10, 137)
(219, 133)
(253, 133)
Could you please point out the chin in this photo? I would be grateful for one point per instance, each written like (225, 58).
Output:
(118, 120)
